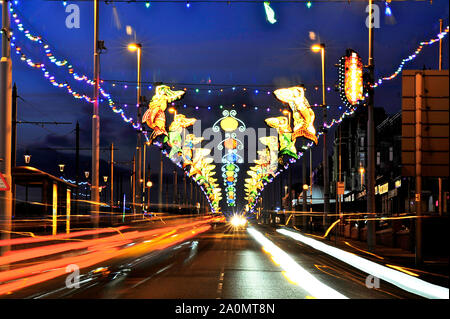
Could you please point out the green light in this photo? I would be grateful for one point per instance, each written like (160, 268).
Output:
(309, 4)
(147, 4)
(270, 14)
(197, 90)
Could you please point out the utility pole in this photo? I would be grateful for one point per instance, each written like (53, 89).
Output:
(418, 142)
(14, 128)
(161, 173)
(440, 68)
(290, 197)
(326, 181)
(371, 239)
(304, 209)
(440, 45)
(95, 196)
(185, 190)
(14, 145)
(133, 184)
(175, 187)
(5, 126)
(77, 164)
(111, 163)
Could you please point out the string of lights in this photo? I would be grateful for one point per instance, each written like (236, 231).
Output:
(411, 57)
(308, 3)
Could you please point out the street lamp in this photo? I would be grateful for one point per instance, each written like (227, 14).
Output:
(361, 172)
(61, 167)
(321, 48)
(27, 157)
(86, 174)
(137, 181)
(137, 47)
(105, 179)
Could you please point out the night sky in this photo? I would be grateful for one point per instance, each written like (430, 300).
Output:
(206, 43)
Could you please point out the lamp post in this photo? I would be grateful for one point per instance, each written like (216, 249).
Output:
(86, 174)
(137, 47)
(321, 48)
(61, 167)
(149, 184)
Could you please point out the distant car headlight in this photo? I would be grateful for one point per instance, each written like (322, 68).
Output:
(238, 221)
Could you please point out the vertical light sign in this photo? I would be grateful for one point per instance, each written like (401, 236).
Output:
(351, 83)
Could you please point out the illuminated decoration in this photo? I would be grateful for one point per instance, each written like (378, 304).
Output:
(440, 36)
(351, 84)
(302, 113)
(188, 148)
(174, 139)
(270, 155)
(155, 117)
(62, 63)
(270, 14)
(281, 124)
(229, 123)
(387, 9)
(309, 4)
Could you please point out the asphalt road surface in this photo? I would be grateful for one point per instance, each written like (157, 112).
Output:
(220, 263)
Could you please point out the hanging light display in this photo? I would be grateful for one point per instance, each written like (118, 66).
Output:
(270, 14)
(303, 115)
(229, 123)
(351, 84)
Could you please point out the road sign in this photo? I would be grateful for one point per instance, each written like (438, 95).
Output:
(3, 183)
(340, 187)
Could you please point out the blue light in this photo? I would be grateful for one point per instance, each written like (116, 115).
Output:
(188, 5)
(388, 10)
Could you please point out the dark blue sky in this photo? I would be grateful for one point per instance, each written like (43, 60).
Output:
(226, 44)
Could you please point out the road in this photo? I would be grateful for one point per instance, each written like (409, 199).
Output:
(220, 263)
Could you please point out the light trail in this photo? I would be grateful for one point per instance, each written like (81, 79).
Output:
(31, 275)
(294, 272)
(37, 239)
(397, 278)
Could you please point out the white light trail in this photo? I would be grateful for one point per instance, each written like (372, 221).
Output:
(294, 271)
(397, 278)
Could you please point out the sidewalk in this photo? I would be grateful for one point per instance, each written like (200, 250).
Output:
(434, 269)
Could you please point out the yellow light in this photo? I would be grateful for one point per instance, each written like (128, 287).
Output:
(133, 47)
(149, 184)
(353, 78)
(361, 170)
(229, 124)
(238, 221)
(316, 48)
(172, 110)
(305, 187)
